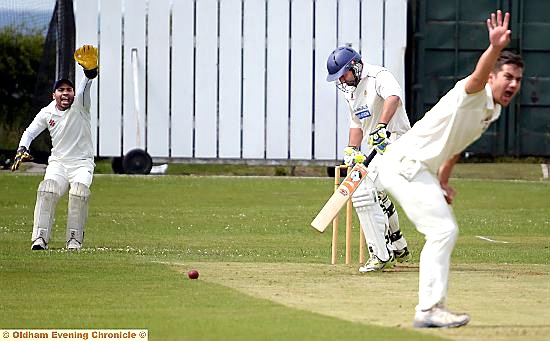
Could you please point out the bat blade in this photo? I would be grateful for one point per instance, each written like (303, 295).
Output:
(340, 197)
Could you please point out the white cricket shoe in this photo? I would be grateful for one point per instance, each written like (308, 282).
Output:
(439, 317)
(39, 244)
(374, 264)
(73, 244)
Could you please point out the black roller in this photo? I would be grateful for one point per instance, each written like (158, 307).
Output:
(137, 161)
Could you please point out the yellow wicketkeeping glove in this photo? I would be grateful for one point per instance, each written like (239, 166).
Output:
(87, 57)
(22, 155)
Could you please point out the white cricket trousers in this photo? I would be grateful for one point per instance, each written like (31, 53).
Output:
(66, 173)
(419, 193)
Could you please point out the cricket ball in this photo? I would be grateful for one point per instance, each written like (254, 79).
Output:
(193, 274)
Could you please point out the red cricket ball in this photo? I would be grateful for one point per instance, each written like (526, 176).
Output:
(193, 274)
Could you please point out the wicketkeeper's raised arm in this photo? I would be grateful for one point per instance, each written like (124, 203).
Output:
(499, 37)
(87, 57)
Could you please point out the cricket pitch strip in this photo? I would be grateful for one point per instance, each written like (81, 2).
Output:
(506, 302)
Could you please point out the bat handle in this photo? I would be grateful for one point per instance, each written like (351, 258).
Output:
(370, 157)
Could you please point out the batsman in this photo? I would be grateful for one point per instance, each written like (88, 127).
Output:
(373, 96)
(71, 163)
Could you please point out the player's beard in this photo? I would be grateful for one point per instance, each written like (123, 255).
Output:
(64, 102)
(348, 86)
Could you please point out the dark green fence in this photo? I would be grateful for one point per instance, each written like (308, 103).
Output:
(446, 39)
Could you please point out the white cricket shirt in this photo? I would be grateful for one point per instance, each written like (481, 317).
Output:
(457, 120)
(70, 130)
(366, 102)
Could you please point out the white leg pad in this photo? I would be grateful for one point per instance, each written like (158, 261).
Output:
(79, 195)
(395, 235)
(373, 220)
(47, 197)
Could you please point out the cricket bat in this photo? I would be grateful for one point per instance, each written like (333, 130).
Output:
(341, 195)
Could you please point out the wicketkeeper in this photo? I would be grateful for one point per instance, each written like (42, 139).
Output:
(71, 164)
(374, 100)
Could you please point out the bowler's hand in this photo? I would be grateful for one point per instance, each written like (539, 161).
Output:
(499, 34)
(449, 193)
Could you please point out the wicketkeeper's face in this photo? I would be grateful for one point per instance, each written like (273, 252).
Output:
(63, 96)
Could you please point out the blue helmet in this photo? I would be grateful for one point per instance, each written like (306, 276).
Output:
(341, 60)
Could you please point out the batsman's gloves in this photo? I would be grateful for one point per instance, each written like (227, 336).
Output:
(87, 57)
(352, 156)
(22, 155)
(378, 138)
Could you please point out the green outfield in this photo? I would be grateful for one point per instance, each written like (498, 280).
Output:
(264, 273)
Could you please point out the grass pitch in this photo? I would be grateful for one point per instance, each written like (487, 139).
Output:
(264, 273)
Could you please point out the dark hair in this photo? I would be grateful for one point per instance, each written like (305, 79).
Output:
(508, 57)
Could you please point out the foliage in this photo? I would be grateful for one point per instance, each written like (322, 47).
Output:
(20, 59)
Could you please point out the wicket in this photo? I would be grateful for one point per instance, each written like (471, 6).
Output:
(349, 220)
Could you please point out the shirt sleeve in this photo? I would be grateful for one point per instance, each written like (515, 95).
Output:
(82, 96)
(465, 99)
(33, 130)
(386, 85)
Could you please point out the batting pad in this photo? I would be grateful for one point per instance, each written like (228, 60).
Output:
(373, 220)
(396, 238)
(77, 214)
(44, 211)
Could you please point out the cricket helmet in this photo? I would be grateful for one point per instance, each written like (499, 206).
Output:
(341, 60)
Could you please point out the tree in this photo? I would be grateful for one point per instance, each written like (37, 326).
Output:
(20, 61)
